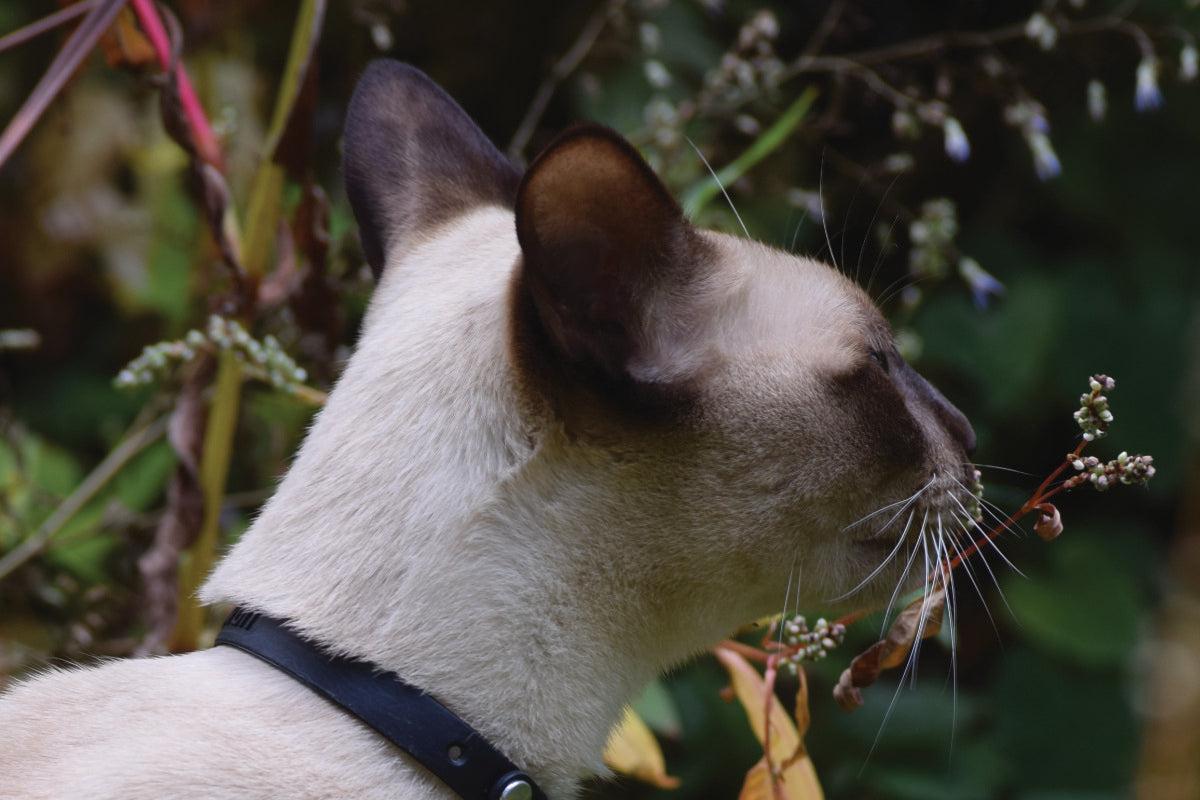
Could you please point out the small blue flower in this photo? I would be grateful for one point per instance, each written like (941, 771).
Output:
(983, 285)
(1045, 160)
(1147, 96)
(957, 146)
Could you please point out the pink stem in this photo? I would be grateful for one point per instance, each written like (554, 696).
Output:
(205, 140)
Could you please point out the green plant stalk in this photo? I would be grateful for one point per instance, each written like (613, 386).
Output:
(262, 217)
(696, 198)
(214, 470)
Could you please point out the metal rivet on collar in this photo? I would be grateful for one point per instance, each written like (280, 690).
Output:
(517, 790)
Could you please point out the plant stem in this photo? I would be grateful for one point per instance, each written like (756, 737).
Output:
(134, 442)
(214, 470)
(1039, 496)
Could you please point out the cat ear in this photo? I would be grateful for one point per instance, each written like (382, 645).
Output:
(413, 159)
(609, 260)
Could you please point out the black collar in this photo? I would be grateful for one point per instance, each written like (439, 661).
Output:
(404, 715)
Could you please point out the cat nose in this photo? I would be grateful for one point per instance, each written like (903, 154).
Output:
(957, 424)
(953, 421)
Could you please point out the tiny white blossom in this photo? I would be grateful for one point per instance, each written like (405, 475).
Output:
(657, 74)
(1188, 67)
(1040, 29)
(957, 146)
(651, 38)
(1147, 96)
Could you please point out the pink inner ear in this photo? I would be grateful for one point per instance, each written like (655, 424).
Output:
(607, 250)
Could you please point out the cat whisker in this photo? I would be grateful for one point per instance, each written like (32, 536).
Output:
(883, 565)
(721, 186)
(1009, 470)
(902, 504)
(788, 594)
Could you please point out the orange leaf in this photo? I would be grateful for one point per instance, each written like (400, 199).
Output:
(632, 750)
(125, 45)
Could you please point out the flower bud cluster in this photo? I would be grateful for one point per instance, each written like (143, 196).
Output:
(1029, 118)
(932, 236)
(1093, 415)
(975, 504)
(751, 65)
(1125, 469)
(266, 358)
(803, 644)
(1040, 29)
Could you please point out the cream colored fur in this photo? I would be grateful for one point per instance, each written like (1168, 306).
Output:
(442, 521)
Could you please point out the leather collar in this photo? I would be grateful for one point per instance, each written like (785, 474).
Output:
(404, 715)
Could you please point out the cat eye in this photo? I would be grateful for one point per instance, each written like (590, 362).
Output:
(880, 357)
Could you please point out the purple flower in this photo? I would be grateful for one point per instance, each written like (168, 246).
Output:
(957, 146)
(1045, 160)
(982, 284)
(1147, 96)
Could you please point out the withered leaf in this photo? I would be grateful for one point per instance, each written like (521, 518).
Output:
(125, 45)
(1049, 524)
(920, 620)
(180, 524)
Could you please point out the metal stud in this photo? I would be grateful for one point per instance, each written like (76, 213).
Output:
(517, 790)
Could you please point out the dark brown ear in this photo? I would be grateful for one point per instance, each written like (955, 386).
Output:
(413, 158)
(609, 260)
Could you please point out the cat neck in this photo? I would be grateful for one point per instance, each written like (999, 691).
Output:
(434, 532)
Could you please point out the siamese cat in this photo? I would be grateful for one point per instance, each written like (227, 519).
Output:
(580, 441)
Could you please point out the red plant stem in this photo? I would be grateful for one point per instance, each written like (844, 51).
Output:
(207, 147)
(1040, 495)
(745, 650)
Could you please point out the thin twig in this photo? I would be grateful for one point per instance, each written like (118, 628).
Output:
(45, 24)
(558, 73)
(72, 54)
(122, 454)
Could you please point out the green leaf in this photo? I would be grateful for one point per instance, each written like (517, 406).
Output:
(657, 709)
(1086, 606)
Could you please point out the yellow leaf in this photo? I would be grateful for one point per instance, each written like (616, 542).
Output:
(752, 693)
(797, 782)
(633, 750)
(798, 779)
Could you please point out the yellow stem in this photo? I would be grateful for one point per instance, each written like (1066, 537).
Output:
(214, 469)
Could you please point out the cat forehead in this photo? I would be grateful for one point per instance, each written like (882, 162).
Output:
(775, 301)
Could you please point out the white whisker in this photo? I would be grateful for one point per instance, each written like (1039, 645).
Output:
(883, 564)
(721, 186)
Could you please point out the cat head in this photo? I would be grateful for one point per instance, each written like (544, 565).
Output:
(773, 421)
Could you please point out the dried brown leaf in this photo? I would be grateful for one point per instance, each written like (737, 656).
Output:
(125, 45)
(920, 620)
(180, 524)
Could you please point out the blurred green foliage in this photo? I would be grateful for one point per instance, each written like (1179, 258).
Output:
(104, 251)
